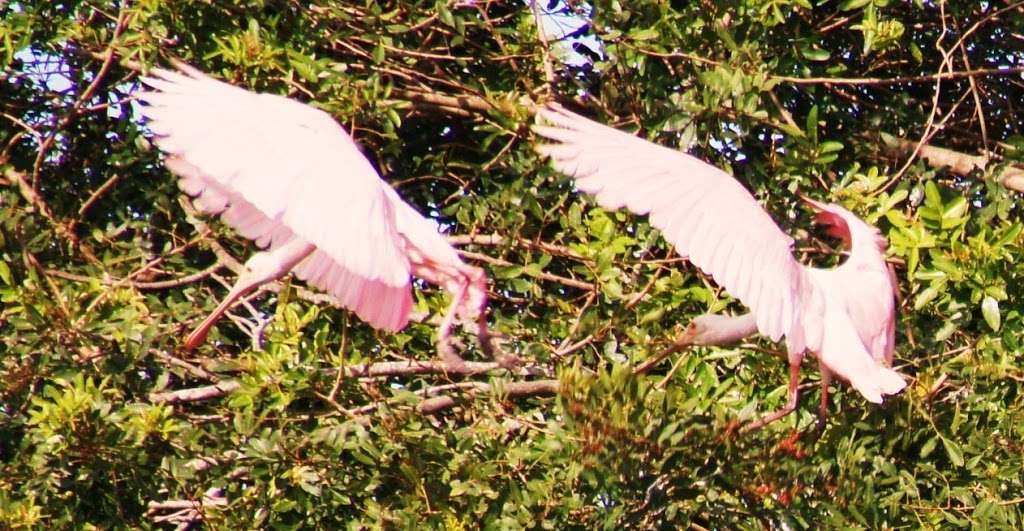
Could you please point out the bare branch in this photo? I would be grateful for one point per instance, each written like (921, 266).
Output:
(1005, 71)
(958, 163)
(196, 394)
(186, 512)
(498, 240)
(464, 102)
(512, 389)
(406, 368)
(371, 370)
(707, 330)
(96, 195)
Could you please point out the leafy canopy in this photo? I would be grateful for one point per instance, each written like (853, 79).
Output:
(107, 423)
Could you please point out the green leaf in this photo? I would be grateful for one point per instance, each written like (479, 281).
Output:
(928, 447)
(990, 311)
(953, 451)
(811, 124)
(850, 5)
(815, 54)
(645, 34)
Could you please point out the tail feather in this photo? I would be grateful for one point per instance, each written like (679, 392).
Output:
(843, 353)
(890, 382)
(884, 381)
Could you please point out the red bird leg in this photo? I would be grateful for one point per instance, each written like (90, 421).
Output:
(826, 379)
(261, 268)
(478, 285)
(444, 347)
(794, 396)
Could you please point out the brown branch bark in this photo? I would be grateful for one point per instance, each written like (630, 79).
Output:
(512, 389)
(706, 330)
(463, 102)
(1008, 71)
(958, 163)
(369, 370)
(195, 394)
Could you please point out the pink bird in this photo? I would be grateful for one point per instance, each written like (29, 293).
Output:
(845, 315)
(290, 178)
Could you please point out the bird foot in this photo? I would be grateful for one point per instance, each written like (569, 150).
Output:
(791, 445)
(730, 431)
(819, 425)
(769, 418)
(452, 361)
(507, 360)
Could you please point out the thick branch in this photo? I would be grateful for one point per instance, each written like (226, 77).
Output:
(707, 330)
(463, 102)
(406, 368)
(512, 389)
(958, 163)
(186, 512)
(195, 394)
(370, 370)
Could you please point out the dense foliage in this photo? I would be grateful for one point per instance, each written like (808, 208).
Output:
(106, 422)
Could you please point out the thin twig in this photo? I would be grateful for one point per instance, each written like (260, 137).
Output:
(940, 76)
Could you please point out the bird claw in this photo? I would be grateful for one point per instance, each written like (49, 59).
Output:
(452, 361)
(507, 360)
(730, 431)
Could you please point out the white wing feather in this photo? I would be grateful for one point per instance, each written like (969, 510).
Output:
(705, 213)
(276, 169)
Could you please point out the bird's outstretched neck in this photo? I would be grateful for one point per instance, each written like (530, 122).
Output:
(261, 268)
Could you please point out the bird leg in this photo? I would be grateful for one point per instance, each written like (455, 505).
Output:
(468, 288)
(476, 296)
(826, 379)
(259, 269)
(444, 347)
(794, 396)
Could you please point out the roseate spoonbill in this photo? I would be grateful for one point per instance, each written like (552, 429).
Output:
(845, 315)
(290, 178)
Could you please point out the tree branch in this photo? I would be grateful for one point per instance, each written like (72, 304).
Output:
(1005, 71)
(706, 330)
(511, 389)
(465, 102)
(370, 370)
(565, 281)
(498, 240)
(958, 163)
(195, 394)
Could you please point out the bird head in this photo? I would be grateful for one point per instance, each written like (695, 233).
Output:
(845, 225)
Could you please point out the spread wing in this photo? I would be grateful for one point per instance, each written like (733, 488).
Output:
(275, 169)
(705, 213)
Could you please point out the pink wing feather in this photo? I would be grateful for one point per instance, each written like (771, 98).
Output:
(276, 169)
(705, 213)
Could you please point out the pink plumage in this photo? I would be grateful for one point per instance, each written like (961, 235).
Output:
(846, 315)
(288, 177)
